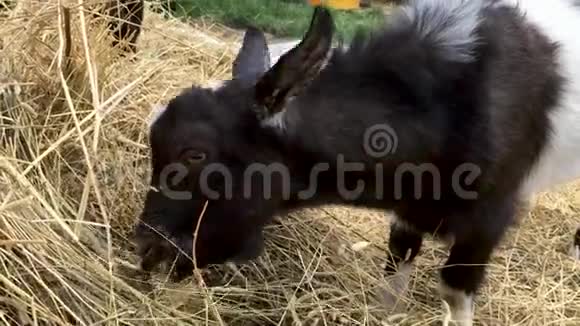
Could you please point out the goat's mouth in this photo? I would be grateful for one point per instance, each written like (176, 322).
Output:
(170, 254)
(251, 249)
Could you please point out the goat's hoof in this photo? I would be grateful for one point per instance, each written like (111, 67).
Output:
(458, 306)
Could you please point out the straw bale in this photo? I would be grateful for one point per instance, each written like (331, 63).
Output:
(74, 169)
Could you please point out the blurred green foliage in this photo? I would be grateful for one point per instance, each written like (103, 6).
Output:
(282, 18)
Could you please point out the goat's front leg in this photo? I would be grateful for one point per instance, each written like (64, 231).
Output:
(464, 270)
(575, 250)
(404, 245)
(461, 277)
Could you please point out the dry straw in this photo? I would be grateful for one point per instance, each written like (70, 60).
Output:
(74, 168)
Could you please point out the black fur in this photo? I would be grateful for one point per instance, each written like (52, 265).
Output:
(403, 241)
(490, 112)
(126, 18)
(577, 239)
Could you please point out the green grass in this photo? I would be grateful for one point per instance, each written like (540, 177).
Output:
(282, 18)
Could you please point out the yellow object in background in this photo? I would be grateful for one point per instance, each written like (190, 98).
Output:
(337, 4)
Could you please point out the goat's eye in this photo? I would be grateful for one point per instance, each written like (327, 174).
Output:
(193, 157)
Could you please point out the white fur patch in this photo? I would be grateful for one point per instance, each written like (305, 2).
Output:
(156, 113)
(575, 252)
(459, 306)
(449, 24)
(216, 84)
(560, 161)
(277, 121)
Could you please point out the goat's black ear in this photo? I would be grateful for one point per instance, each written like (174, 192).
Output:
(296, 67)
(253, 59)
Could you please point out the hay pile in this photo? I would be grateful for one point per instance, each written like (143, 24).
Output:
(74, 168)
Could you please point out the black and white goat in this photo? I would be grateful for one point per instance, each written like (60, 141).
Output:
(448, 116)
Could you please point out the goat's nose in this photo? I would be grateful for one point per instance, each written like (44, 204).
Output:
(151, 256)
(137, 230)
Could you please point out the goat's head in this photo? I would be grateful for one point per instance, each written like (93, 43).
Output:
(204, 145)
